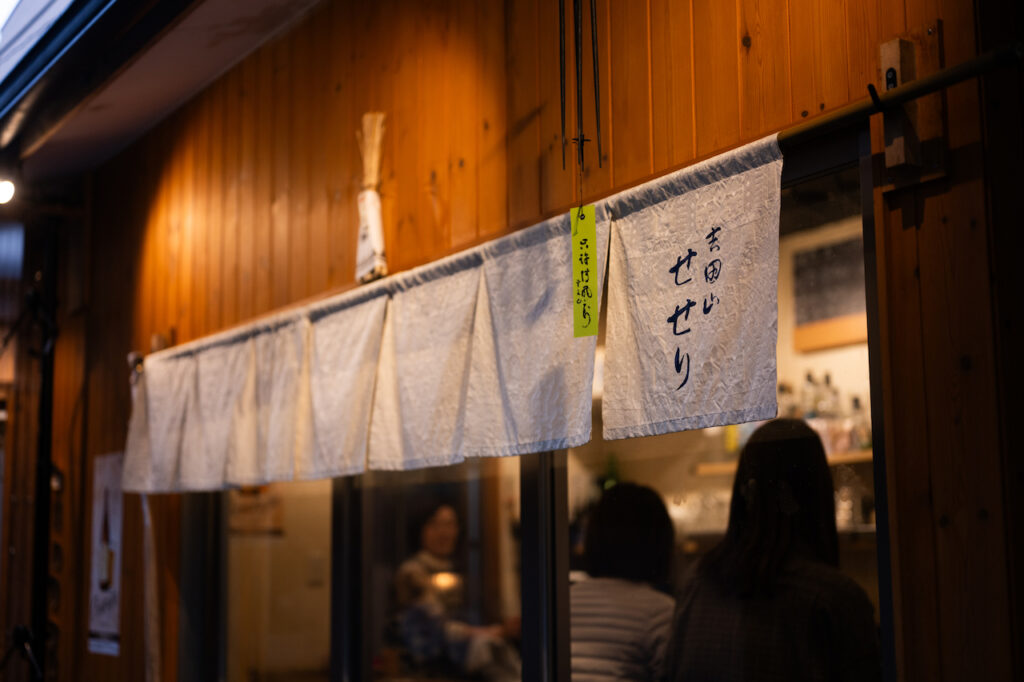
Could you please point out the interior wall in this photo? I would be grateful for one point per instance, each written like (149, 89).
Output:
(244, 201)
(278, 582)
(847, 364)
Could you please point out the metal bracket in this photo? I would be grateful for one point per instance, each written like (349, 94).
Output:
(915, 132)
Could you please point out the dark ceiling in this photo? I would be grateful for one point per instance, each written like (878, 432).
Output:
(124, 68)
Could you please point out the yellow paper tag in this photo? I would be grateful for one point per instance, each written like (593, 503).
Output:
(584, 272)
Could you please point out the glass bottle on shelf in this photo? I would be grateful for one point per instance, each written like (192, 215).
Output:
(860, 433)
(809, 397)
(788, 406)
(828, 399)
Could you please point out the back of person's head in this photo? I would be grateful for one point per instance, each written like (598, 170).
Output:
(782, 506)
(630, 536)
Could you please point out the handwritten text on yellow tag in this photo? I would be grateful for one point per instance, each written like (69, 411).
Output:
(584, 272)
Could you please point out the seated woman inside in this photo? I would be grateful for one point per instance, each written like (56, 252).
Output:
(430, 626)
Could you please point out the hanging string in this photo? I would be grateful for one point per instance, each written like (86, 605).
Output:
(579, 215)
(597, 77)
(580, 140)
(561, 64)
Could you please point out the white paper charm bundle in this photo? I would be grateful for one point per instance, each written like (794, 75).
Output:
(371, 262)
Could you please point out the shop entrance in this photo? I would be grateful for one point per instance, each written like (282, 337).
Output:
(435, 574)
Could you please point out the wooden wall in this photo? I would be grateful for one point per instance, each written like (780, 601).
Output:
(681, 80)
(244, 201)
(951, 576)
(246, 197)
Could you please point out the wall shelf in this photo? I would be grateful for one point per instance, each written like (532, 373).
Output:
(729, 468)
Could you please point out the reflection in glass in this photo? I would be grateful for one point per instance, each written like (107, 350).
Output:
(444, 592)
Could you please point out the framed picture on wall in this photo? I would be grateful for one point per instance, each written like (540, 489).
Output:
(829, 292)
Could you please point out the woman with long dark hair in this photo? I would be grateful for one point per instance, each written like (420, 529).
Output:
(768, 602)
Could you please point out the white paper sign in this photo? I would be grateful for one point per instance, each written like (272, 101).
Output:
(692, 309)
(370, 247)
(105, 574)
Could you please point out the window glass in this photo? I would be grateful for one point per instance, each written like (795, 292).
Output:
(823, 378)
(278, 582)
(442, 579)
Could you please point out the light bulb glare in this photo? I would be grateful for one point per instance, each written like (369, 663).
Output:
(6, 191)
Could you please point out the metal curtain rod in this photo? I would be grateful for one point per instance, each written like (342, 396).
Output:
(859, 111)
